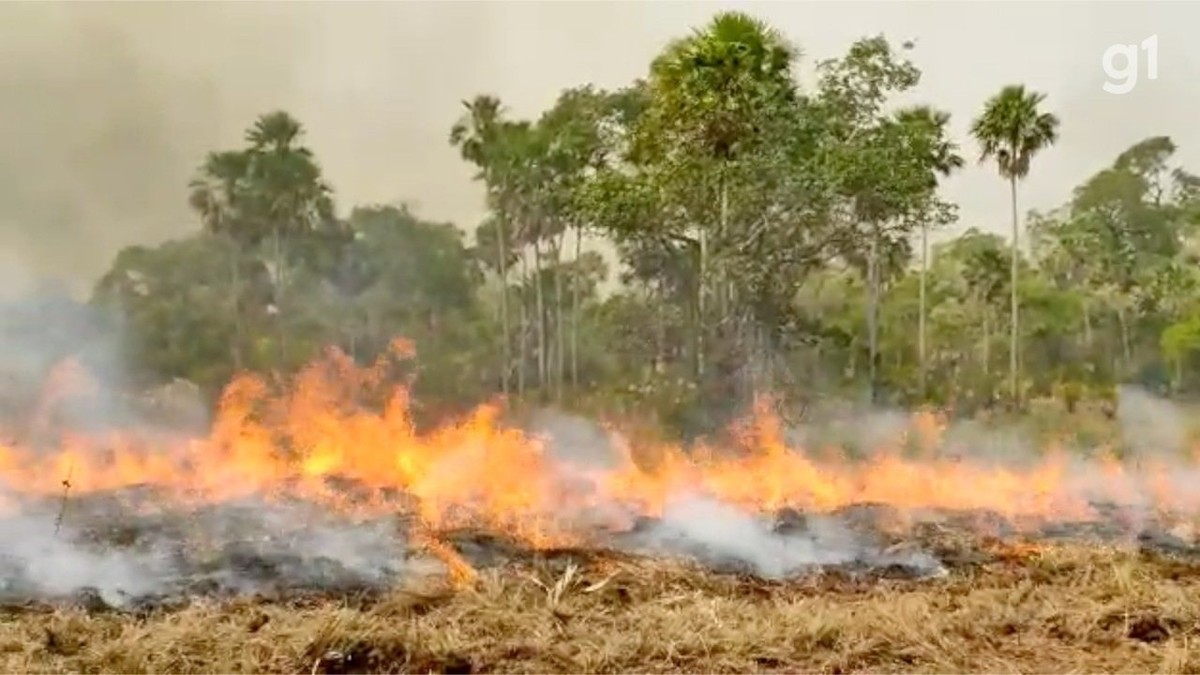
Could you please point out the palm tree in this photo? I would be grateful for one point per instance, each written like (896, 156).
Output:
(288, 197)
(927, 131)
(1011, 131)
(295, 197)
(521, 168)
(478, 135)
(518, 171)
(706, 89)
(214, 194)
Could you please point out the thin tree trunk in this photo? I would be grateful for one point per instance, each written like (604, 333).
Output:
(235, 274)
(506, 330)
(559, 334)
(1126, 351)
(692, 319)
(921, 321)
(1014, 359)
(987, 344)
(575, 310)
(1087, 327)
(660, 333)
(764, 373)
(701, 305)
(855, 345)
(277, 239)
(541, 315)
(872, 312)
(524, 319)
(988, 388)
(371, 330)
(1178, 387)
(722, 281)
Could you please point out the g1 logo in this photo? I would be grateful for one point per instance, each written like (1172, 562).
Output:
(1124, 77)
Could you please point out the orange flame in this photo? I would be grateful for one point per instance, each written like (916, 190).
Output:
(338, 424)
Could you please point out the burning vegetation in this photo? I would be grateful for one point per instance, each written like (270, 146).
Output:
(321, 490)
(772, 218)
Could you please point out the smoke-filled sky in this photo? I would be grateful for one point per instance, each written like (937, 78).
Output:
(106, 109)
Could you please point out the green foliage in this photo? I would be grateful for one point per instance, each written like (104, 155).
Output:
(176, 302)
(766, 232)
(1012, 130)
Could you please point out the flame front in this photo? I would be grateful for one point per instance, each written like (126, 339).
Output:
(337, 425)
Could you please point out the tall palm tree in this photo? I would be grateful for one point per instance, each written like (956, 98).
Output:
(289, 198)
(478, 136)
(706, 88)
(295, 197)
(523, 170)
(214, 194)
(1011, 130)
(927, 131)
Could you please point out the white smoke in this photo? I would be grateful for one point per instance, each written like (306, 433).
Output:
(700, 526)
(1151, 426)
(125, 552)
(250, 547)
(716, 531)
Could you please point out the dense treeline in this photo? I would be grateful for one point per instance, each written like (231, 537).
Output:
(771, 237)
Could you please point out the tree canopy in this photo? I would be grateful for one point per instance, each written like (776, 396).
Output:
(769, 236)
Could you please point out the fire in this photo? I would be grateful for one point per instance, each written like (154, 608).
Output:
(336, 425)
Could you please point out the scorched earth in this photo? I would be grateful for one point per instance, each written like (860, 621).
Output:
(313, 527)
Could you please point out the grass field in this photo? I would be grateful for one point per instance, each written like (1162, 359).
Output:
(1067, 608)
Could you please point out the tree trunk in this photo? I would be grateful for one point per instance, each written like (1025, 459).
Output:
(692, 330)
(1178, 387)
(921, 319)
(1087, 327)
(541, 315)
(701, 305)
(722, 280)
(987, 344)
(524, 320)
(1014, 359)
(575, 310)
(660, 332)
(852, 368)
(872, 312)
(506, 330)
(277, 241)
(559, 334)
(235, 276)
(371, 330)
(1126, 350)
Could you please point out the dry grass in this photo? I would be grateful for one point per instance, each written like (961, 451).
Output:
(1062, 609)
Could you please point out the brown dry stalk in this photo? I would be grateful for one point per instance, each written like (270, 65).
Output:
(1050, 609)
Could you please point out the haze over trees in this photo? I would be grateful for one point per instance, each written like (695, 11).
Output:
(771, 237)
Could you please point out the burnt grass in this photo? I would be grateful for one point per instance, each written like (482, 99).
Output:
(246, 557)
(1046, 607)
(1099, 595)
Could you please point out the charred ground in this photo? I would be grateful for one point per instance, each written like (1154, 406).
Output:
(947, 591)
(1020, 607)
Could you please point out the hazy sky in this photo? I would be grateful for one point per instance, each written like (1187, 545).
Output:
(106, 109)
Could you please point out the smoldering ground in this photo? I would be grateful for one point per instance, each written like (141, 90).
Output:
(143, 542)
(136, 545)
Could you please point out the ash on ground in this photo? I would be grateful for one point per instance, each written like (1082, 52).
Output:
(126, 558)
(121, 551)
